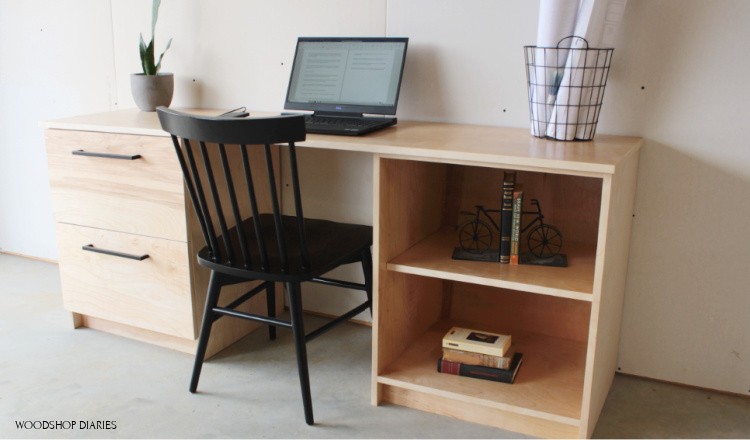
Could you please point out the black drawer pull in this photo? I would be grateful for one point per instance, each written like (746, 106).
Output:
(107, 155)
(91, 248)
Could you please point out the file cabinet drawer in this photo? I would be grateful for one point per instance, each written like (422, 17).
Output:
(120, 182)
(109, 280)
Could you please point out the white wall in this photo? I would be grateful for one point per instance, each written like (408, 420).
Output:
(678, 79)
(465, 62)
(55, 61)
(688, 291)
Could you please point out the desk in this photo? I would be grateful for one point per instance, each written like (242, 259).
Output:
(566, 321)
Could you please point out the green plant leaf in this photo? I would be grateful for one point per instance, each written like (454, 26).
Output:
(147, 52)
(144, 54)
(158, 65)
(154, 16)
(147, 57)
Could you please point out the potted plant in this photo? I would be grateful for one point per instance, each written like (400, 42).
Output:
(151, 88)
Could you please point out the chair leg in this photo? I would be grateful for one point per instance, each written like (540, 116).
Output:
(298, 329)
(271, 303)
(367, 270)
(212, 298)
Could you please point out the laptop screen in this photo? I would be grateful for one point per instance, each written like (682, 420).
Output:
(347, 75)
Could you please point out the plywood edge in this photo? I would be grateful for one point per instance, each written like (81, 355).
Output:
(618, 197)
(456, 397)
(477, 413)
(376, 389)
(141, 131)
(582, 169)
(464, 278)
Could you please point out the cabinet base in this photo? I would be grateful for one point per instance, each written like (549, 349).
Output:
(471, 412)
(184, 345)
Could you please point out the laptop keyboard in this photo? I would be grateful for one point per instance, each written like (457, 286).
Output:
(334, 125)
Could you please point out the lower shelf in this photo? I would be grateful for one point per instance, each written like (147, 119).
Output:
(548, 388)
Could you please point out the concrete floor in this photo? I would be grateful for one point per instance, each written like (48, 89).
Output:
(50, 372)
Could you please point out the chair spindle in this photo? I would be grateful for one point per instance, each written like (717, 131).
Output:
(305, 255)
(280, 238)
(235, 206)
(202, 205)
(254, 208)
(229, 257)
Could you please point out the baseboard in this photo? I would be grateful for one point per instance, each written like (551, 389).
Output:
(28, 257)
(331, 316)
(685, 385)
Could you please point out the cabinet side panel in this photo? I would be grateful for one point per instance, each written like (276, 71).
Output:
(411, 204)
(618, 196)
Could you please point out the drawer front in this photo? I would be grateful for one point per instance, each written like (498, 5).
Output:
(124, 183)
(152, 293)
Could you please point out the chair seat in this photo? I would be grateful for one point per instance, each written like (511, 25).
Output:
(329, 245)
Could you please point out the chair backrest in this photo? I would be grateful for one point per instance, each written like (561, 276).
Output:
(230, 166)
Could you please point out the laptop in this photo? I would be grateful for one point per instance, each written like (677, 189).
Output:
(350, 84)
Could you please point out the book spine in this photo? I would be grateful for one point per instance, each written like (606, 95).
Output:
(476, 371)
(506, 215)
(449, 367)
(470, 358)
(475, 348)
(459, 338)
(515, 233)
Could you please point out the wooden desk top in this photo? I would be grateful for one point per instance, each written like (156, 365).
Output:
(438, 142)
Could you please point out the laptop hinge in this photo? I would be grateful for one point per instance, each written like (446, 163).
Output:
(338, 114)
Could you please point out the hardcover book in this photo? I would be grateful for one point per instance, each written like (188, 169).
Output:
(506, 215)
(480, 372)
(476, 341)
(515, 229)
(485, 360)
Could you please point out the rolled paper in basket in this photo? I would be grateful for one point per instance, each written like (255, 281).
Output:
(564, 118)
(556, 21)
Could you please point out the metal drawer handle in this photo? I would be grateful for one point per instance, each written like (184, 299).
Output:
(91, 248)
(106, 155)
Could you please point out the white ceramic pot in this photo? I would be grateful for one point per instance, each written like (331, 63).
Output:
(151, 91)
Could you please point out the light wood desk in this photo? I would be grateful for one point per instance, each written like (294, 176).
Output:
(566, 321)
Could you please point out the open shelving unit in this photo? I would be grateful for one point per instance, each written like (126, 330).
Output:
(565, 320)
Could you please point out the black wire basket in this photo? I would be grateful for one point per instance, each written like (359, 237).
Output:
(566, 88)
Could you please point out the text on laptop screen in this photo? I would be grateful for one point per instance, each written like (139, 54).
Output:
(349, 75)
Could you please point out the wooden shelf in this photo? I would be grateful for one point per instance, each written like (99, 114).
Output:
(549, 384)
(431, 257)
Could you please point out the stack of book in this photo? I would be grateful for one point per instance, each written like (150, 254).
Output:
(480, 355)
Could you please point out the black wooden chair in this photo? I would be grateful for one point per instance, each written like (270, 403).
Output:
(244, 241)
